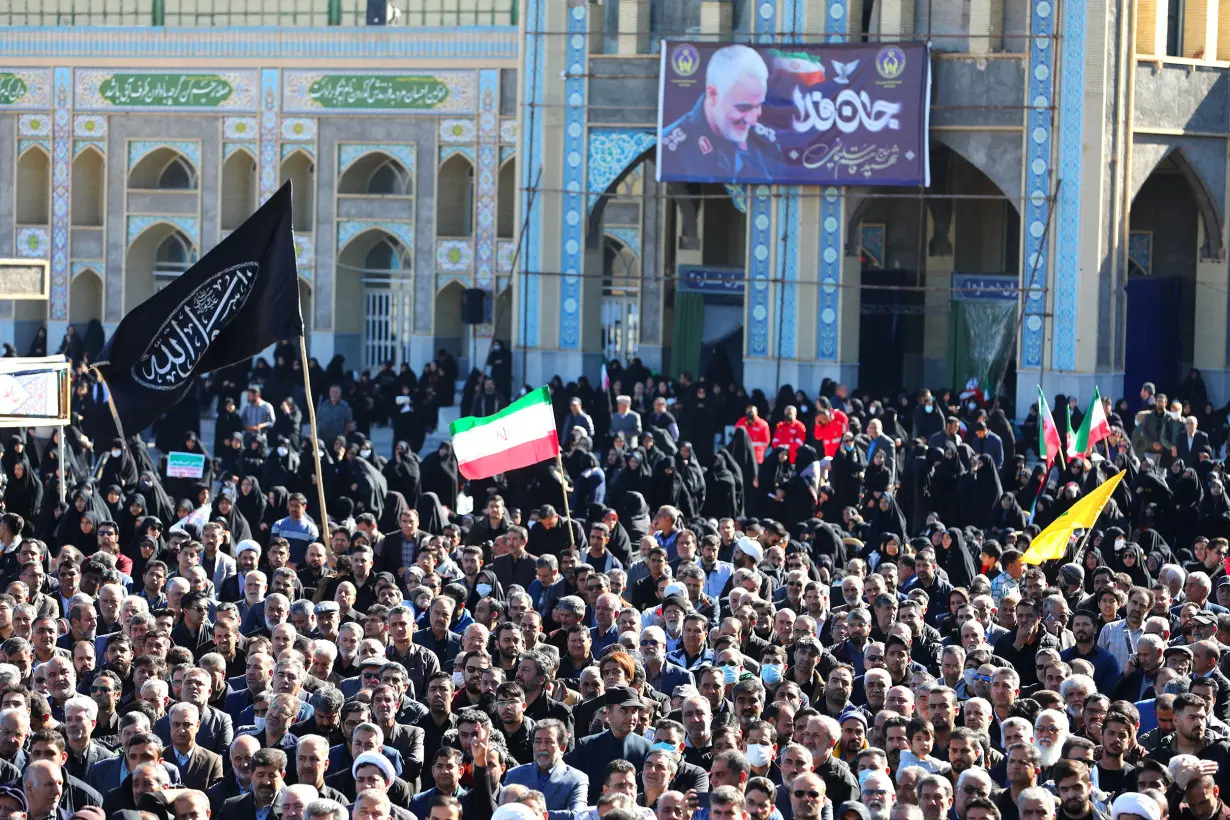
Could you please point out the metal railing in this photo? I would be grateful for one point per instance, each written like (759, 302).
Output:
(222, 13)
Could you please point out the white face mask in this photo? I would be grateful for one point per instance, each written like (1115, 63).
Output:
(459, 679)
(1119, 544)
(259, 722)
(283, 452)
(483, 590)
(116, 452)
(365, 453)
(759, 754)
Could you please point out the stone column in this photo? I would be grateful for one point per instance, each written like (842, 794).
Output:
(716, 17)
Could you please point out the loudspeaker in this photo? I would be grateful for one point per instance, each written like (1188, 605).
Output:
(377, 12)
(473, 306)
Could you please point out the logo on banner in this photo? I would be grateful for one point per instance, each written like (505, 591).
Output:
(685, 60)
(890, 62)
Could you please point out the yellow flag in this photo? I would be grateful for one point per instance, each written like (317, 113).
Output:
(1052, 542)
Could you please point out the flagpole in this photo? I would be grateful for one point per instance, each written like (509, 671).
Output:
(559, 460)
(311, 407)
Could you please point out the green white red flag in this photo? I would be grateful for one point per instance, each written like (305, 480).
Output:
(1094, 428)
(1048, 433)
(521, 434)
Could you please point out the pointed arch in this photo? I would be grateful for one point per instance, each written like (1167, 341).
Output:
(376, 174)
(448, 328)
(506, 200)
(238, 189)
(1205, 203)
(372, 297)
(85, 297)
(299, 168)
(155, 257)
(455, 197)
(164, 169)
(89, 188)
(33, 200)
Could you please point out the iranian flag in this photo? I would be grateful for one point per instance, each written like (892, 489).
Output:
(807, 69)
(521, 434)
(1095, 427)
(1048, 433)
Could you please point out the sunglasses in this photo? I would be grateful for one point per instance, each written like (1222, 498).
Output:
(801, 793)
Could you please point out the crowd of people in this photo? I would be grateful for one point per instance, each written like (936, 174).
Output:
(713, 607)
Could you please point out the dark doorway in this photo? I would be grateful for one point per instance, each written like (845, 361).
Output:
(891, 323)
(1153, 347)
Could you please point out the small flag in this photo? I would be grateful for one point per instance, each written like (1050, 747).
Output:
(521, 434)
(1094, 428)
(1052, 543)
(1048, 433)
(239, 299)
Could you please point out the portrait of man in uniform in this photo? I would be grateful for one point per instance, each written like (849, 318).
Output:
(721, 139)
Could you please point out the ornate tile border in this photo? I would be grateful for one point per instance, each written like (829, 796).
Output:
(349, 152)
(38, 142)
(631, 237)
(81, 145)
(61, 180)
(269, 160)
(505, 250)
(139, 223)
(229, 148)
(456, 131)
(572, 235)
(1065, 324)
(305, 256)
(289, 148)
(34, 125)
(33, 243)
(1140, 250)
(25, 89)
(454, 256)
(298, 129)
(99, 266)
(348, 229)
(89, 126)
(789, 222)
(139, 149)
(487, 174)
(462, 43)
(240, 128)
(508, 131)
(759, 270)
(465, 150)
(1038, 176)
(611, 151)
(141, 89)
(831, 245)
(404, 93)
(533, 94)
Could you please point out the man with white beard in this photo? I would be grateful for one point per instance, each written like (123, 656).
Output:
(1074, 691)
(1051, 731)
(878, 794)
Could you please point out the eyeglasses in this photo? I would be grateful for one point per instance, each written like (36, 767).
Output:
(973, 791)
(801, 793)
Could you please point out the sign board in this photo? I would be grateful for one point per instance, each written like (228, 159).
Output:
(24, 279)
(34, 391)
(804, 114)
(185, 465)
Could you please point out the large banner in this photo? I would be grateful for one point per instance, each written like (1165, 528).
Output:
(805, 115)
(34, 391)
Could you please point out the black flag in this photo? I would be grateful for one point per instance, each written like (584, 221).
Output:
(241, 298)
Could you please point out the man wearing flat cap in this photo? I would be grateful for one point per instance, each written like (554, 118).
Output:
(620, 741)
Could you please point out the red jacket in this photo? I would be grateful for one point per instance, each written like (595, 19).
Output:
(791, 434)
(759, 433)
(829, 435)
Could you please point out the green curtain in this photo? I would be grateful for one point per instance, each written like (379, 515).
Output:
(980, 336)
(689, 330)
